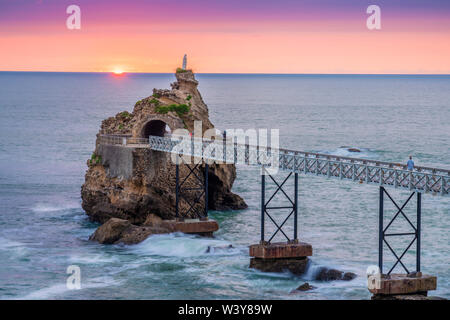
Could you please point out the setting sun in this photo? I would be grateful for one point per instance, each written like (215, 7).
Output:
(118, 71)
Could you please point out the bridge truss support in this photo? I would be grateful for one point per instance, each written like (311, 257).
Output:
(200, 176)
(292, 206)
(291, 255)
(191, 189)
(383, 235)
(411, 282)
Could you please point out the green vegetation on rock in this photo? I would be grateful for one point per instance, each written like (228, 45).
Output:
(155, 102)
(179, 109)
(126, 114)
(180, 70)
(95, 159)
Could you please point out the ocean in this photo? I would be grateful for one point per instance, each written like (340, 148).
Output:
(48, 123)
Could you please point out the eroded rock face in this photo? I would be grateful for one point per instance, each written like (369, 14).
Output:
(111, 231)
(305, 287)
(133, 182)
(122, 231)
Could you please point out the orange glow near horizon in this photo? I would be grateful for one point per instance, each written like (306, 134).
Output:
(115, 37)
(287, 52)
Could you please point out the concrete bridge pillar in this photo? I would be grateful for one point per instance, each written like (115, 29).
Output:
(279, 257)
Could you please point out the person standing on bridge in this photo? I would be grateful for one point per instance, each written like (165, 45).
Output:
(410, 164)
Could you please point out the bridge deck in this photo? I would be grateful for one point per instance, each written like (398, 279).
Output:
(388, 174)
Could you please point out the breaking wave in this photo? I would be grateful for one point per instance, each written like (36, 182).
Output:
(180, 245)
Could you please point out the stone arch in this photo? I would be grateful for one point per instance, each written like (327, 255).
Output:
(154, 128)
(155, 125)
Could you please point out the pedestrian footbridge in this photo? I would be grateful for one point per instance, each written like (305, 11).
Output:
(385, 175)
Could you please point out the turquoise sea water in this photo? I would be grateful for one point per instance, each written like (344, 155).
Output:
(48, 123)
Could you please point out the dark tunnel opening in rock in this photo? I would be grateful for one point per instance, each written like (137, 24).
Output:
(155, 128)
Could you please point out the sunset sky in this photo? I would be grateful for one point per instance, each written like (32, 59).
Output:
(226, 36)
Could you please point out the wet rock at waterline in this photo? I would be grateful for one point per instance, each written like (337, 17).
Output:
(213, 249)
(110, 231)
(325, 274)
(351, 149)
(302, 289)
(122, 231)
(348, 276)
(305, 287)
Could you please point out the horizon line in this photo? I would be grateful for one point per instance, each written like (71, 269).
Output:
(235, 73)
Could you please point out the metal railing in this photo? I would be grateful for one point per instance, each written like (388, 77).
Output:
(118, 139)
(421, 179)
(382, 173)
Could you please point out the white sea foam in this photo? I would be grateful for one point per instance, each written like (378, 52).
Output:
(45, 207)
(92, 259)
(177, 245)
(6, 243)
(314, 268)
(312, 271)
(56, 290)
(12, 246)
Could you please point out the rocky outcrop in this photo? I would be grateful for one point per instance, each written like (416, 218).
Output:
(117, 230)
(122, 231)
(305, 287)
(129, 182)
(325, 274)
(110, 231)
(301, 289)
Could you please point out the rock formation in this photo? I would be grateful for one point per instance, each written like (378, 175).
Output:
(131, 182)
(325, 274)
(122, 231)
(305, 287)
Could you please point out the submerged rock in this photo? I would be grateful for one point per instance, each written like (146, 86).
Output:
(131, 181)
(349, 276)
(302, 288)
(212, 249)
(305, 287)
(350, 149)
(326, 274)
(135, 234)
